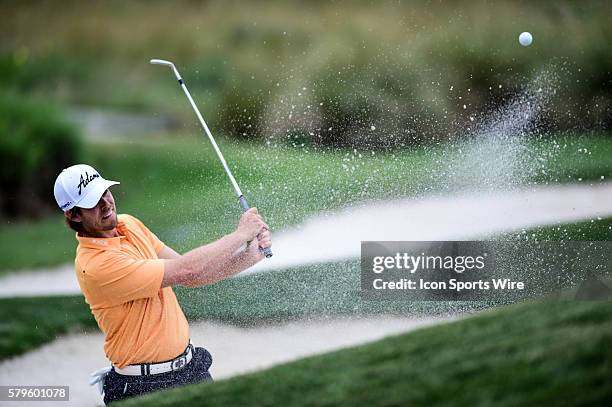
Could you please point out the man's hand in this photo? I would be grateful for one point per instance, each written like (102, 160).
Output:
(251, 224)
(253, 253)
(265, 239)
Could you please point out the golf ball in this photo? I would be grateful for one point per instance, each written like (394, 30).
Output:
(525, 39)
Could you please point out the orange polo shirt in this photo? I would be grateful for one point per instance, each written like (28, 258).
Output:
(121, 280)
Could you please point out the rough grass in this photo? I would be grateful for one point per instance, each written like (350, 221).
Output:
(178, 188)
(527, 354)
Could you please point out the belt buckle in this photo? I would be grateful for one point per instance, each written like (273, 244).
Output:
(179, 363)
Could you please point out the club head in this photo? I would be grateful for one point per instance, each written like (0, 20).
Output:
(161, 62)
(169, 64)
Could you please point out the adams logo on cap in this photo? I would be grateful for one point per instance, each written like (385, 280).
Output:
(83, 182)
(80, 185)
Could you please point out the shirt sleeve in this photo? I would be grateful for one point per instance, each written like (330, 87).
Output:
(158, 245)
(118, 278)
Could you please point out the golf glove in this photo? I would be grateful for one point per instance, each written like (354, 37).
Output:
(97, 378)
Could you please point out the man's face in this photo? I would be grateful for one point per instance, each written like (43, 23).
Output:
(100, 219)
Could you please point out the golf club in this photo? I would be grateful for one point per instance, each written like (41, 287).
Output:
(245, 205)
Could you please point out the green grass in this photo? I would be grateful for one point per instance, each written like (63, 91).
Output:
(529, 354)
(35, 244)
(177, 187)
(594, 229)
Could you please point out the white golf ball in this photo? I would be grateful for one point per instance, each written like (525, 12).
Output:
(525, 39)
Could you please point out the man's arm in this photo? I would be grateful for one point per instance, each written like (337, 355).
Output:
(168, 253)
(240, 261)
(203, 263)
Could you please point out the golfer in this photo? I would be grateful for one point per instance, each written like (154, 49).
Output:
(126, 274)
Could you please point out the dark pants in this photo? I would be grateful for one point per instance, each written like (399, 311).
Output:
(119, 387)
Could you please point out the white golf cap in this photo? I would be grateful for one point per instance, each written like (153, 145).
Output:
(80, 185)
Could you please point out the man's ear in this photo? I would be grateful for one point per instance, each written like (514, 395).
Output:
(73, 215)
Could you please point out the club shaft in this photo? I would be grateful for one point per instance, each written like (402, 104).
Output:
(209, 134)
(267, 251)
